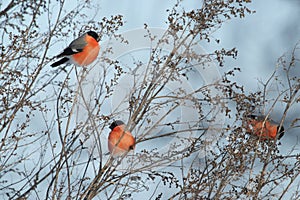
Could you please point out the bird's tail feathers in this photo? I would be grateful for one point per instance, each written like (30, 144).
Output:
(61, 61)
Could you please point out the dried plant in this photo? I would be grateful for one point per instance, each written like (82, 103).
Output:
(54, 122)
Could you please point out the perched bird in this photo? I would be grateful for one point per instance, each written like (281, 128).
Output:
(265, 129)
(82, 51)
(120, 141)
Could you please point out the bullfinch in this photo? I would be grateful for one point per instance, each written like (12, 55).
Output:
(265, 129)
(82, 51)
(120, 141)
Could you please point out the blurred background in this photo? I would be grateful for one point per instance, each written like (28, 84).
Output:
(260, 38)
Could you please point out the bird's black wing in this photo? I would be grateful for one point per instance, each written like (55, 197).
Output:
(69, 51)
(75, 47)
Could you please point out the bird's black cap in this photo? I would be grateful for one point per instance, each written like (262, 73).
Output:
(116, 123)
(93, 34)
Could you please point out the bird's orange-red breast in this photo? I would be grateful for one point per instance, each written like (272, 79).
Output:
(82, 51)
(120, 141)
(264, 128)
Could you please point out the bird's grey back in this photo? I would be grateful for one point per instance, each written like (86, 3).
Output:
(79, 43)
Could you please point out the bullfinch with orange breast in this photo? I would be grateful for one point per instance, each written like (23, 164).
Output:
(265, 129)
(82, 51)
(120, 141)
